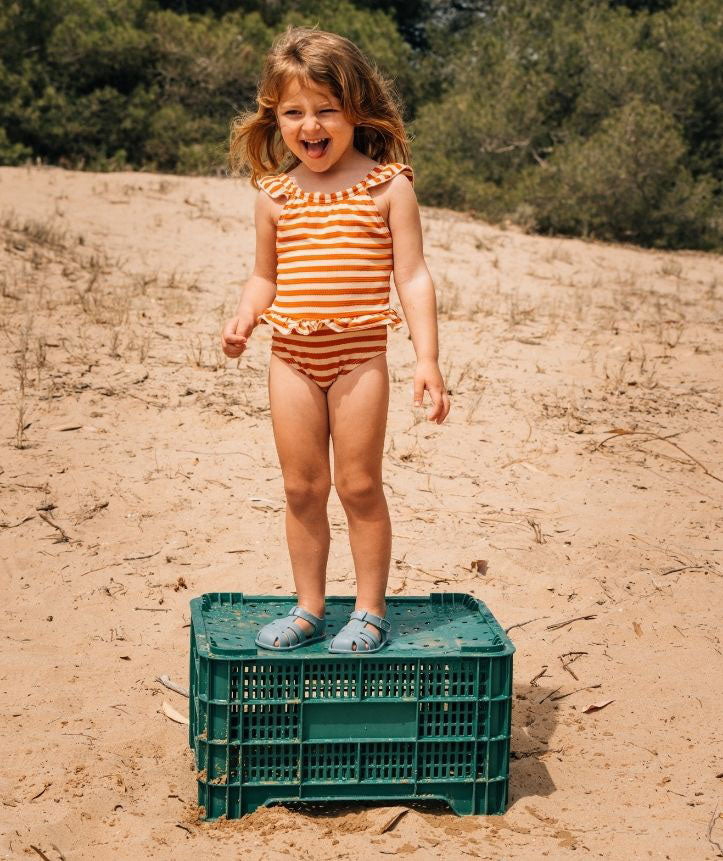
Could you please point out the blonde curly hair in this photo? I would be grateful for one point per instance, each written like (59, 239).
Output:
(310, 55)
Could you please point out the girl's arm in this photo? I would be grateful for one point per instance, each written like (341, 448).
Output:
(416, 293)
(260, 289)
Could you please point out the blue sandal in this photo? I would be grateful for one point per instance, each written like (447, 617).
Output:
(290, 635)
(355, 633)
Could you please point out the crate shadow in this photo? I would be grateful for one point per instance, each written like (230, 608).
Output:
(534, 718)
(337, 810)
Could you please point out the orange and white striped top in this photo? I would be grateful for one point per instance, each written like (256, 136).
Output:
(334, 257)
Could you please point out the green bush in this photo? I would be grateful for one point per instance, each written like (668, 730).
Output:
(12, 153)
(582, 119)
(627, 181)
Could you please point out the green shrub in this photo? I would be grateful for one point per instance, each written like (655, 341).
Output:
(12, 153)
(627, 182)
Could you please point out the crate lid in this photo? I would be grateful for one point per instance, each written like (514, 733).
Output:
(440, 624)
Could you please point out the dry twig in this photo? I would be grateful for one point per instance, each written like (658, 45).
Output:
(392, 821)
(6, 525)
(684, 568)
(577, 691)
(522, 624)
(541, 674)
(570, 621)
(537, 529)
(63, 534)
(136, 558)
(549, 695)
(573, 656)
(41, 791)
(172, 686)
(654, 436)
(711, 826)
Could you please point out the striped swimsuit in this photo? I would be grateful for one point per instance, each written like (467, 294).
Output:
(334, 261)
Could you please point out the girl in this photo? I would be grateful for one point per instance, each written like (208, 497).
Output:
(329, 232)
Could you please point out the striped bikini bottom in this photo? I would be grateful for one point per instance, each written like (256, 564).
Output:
(325, 355)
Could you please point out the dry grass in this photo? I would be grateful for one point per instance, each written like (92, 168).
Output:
(671, 268)
(46, 233)
(21, 369)
(449, 301)
(520, 311)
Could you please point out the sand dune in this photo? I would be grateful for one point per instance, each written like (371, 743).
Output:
(582, 458)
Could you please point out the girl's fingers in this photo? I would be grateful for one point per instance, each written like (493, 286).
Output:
(440, 399)
(441, 402)
(229, 329)
(418, 392)
(231, 335)
(232, 345)
(437, 403)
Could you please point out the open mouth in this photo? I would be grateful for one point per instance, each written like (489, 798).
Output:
(316, 149)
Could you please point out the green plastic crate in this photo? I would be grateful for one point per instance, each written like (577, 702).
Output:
(428, 717)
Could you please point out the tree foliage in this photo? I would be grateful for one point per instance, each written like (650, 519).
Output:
(584, 119)
(590, 118)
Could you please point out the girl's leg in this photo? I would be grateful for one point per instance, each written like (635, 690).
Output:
(301, 432)
(358, 404)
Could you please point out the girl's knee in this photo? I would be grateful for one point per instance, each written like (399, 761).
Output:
(302, 492)
(359, 491)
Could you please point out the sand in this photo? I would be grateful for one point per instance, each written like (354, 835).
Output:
(582, 459)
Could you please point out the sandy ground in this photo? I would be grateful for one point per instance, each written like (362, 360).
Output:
(583, 458)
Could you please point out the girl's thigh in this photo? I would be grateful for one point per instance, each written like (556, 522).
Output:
(358, 405)
(300, 422)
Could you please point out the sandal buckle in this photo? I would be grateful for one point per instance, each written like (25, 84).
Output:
(377, 621)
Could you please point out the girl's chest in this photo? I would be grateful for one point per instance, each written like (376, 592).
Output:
(367, 211)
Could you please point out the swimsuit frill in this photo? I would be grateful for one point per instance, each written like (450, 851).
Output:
(283, 185)
(286, 325)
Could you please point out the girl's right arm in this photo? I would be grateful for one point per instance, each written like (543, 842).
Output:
(260, 289)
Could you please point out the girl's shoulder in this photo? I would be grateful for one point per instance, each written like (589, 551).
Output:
(386, 189)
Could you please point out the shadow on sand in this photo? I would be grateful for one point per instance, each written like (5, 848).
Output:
(534, 717)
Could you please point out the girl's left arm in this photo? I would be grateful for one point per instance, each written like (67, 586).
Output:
(416, 293)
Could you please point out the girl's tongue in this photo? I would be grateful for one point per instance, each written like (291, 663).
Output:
(316, 150)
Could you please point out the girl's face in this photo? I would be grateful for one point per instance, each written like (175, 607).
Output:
(313, 125)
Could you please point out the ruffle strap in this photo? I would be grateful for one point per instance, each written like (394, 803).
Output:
(387, 172)
(277, 185)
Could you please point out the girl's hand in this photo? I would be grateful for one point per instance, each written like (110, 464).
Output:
(428, 376)
(235, 335)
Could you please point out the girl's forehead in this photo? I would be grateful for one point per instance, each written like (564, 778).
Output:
(303, 89)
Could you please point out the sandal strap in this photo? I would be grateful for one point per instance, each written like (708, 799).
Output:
(377, 621)
(368, 637)
(291, 633)
(307, 616)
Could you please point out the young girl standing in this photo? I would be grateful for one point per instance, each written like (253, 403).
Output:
(329, 233)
